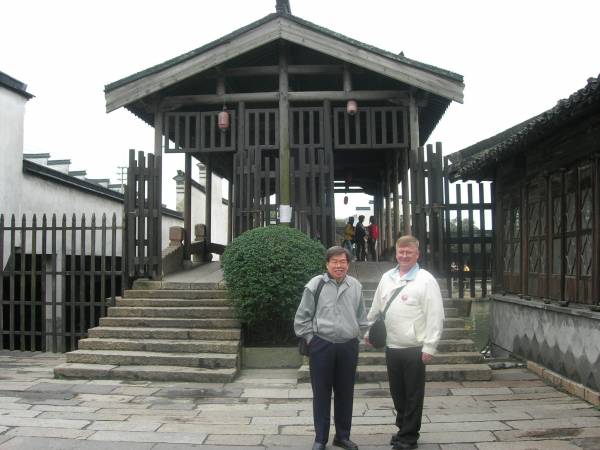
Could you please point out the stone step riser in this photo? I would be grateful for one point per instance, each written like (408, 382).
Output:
(132, 374)
(163, 347)
(175, 285)
(168, 303)
(475, 372)
(167, 323)
(449, 347)
(455, 333)
(214, 362)
(189, 313)
(457, 358)
(175, 293)
(158, 333)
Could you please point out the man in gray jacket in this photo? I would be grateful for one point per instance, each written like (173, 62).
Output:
(333, 334)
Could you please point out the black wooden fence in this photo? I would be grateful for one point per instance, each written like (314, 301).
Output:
(56, 279)
(468, 236)
(143, 216)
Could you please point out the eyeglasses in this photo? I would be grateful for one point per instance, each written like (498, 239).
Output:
(338, 262)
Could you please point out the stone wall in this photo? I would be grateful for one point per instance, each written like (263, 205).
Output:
(565, 340)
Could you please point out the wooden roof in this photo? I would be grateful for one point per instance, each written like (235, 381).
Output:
(293, 29)
(478, 160)
(14, 85)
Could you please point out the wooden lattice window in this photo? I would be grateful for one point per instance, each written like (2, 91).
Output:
(556, 201)
(198, 132)
(586, 209)
(512, 233)
(536, 219)
(262, 128)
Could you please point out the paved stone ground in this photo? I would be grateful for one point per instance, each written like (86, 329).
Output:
(267, 409)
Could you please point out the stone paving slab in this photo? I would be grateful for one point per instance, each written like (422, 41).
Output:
(269, 410)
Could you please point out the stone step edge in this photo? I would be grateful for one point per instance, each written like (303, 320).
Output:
(164, 341)
(136, 353)
(155, 372)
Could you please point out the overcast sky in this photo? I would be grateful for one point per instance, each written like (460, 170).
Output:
(518, 58)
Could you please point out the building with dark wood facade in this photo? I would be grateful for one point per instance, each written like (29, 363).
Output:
(309, 112)
(546, 182)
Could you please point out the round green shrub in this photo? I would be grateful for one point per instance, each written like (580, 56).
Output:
(265, 270)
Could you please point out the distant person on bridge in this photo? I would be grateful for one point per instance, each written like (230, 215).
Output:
(373, 233)
(360, 236)
(349, 236)
(414, 323)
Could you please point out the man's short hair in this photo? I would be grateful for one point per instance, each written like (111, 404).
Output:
(406, 241)
(336, 250)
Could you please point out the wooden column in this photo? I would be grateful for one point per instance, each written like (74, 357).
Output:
(405, 193)
(284, 136)
(395, 183)
(230, 212)
(158, 131)
(328, 141)
(388, 211)
(413, 130)
(596, 230)
(208, 202)
(187, 207)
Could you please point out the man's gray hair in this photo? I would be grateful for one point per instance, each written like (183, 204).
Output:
(336, 250)
(407, 240)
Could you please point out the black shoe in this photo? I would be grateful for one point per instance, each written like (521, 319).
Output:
(318, 446)
(399, 445)
(394, 440)
(345, 443)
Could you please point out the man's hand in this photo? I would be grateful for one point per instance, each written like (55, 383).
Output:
(367, 340)
(426, 357)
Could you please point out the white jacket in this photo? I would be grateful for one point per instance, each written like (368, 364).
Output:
(416, 316)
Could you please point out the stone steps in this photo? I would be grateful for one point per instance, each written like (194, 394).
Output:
(160, 345)
(438, 372)
(161, 333)
(170, 302)
(191, 312)
(378, 358)
(175, 293)
(169, 322)
(211, 334)
(123, 357)
(146, 373)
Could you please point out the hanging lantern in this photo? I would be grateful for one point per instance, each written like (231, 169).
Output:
(351, 107)
(345, 199)
(223, 120)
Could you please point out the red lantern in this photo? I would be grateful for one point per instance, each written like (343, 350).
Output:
(223, 120)
(351, 107)
(345, 199)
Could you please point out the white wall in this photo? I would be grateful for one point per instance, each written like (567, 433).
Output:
(12, 112)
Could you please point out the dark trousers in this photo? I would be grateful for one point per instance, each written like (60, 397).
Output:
(332, 368)
(361, 254)
(406, 375)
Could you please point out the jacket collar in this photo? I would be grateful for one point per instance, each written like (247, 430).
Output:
(408, 276)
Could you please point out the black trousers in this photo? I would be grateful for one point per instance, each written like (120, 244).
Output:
(406, 375)
(332, 369)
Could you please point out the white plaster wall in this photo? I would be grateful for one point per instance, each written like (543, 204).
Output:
(219, 212)
(12, 112)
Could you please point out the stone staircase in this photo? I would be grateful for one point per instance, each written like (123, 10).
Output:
(161, 332)
(457, 358)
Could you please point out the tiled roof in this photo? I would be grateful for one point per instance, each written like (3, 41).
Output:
(14, 85)
(469, 161)
(186, 56)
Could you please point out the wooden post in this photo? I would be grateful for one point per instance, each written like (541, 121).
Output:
(207, 211)
(187, 207)
(158, 130)
(328, 147)
(396, 182)
(284, 137)
(405, 193)
(388, 213)
(413, 127)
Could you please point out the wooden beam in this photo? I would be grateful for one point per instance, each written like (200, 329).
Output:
(347, 79)
(405, 193)
(158, 135)
(304, 69)
(395, 183)
(174, 102)
(208, 202)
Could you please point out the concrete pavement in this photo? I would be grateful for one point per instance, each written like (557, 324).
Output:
(268, 409)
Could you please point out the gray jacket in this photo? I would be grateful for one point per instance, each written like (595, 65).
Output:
(341, 313)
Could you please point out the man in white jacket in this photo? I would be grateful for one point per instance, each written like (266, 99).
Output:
(414, 323)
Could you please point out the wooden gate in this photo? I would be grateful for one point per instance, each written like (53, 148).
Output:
(257, 171)
(312, 175)
(143, 217)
